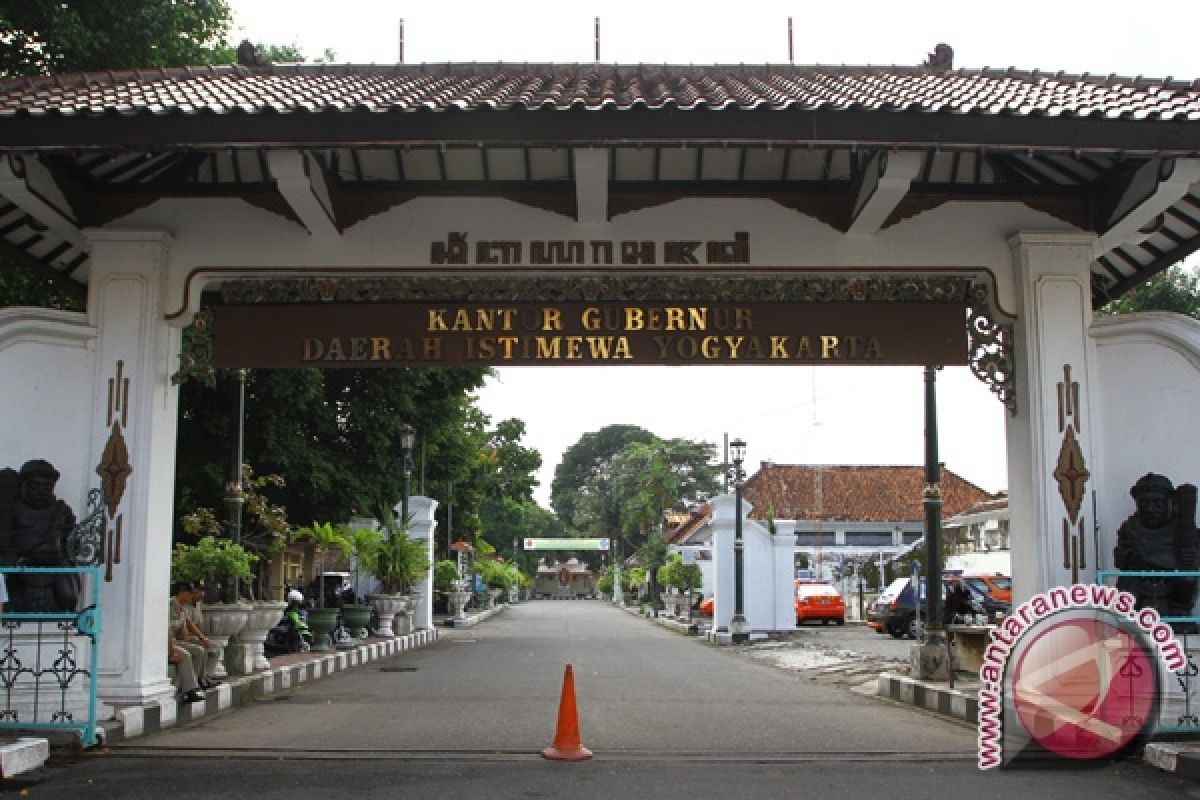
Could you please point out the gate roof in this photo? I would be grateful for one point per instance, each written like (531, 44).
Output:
(1090, 150)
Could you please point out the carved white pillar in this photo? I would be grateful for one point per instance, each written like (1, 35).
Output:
(421, 528)
(133, 448)
(1050, 441)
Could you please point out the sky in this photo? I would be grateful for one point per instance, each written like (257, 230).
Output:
(786, 415)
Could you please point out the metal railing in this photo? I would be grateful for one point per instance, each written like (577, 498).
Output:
(1189, 720)
(48, 662)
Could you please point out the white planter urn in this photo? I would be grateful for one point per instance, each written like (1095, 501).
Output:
(245, 655)
(222, 620)
(387, 606)
(458, 603)
(492, 594)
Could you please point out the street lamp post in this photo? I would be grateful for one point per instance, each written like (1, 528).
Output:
(407, 437)
(738, 626)
(235, 496)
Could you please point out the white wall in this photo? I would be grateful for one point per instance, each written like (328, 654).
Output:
(48, 359)
(1148, 368)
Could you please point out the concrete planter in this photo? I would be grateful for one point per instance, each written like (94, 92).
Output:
(221, 621)
(244, 655)
(322, 621)
(357, 617)
(387, 606)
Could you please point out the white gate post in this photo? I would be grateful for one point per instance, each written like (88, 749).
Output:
(133, 445)
(1050, 440)
(422, 527)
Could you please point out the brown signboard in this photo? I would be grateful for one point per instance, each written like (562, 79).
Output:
(544, 334)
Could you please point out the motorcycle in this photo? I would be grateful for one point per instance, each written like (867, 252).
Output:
(290, 635)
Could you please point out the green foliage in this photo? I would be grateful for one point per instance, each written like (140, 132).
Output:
(264, 525)
(684, 577)
(220, 563)
(398, 561)
(326, 539)
(496, 575)
(334, 434)
(604, 584)
(578, 477)
(362, 545)
(43, 37)
(445, 573)
(20, 286)
(633, 579)
(619, 481)
(1175, 289)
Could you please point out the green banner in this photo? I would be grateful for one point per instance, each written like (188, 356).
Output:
(566, 544)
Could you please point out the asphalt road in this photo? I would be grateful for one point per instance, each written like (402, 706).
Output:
(665, 715)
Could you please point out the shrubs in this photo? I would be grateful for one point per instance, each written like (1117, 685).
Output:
(220, 563)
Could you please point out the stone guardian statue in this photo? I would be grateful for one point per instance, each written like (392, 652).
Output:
(1161, 536)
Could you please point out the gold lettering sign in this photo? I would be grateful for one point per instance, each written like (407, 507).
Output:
(450, 334)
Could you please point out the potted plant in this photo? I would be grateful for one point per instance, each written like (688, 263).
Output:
(362, 544)
(223, 566)
(497, 577)
(326, 539)
(682, 579)
(262, 533)
(445, 573)
(397, 562)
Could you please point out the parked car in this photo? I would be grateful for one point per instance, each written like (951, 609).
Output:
(996, 586)
(991, 591)
(816, 600)
(894, 609)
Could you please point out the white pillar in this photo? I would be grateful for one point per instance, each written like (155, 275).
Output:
(1050, 440)
(783, 557)
(722, 553)
(136, 409)
(422, 527)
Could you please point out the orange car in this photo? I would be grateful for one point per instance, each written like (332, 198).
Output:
(819, 601)
(815, 600)
(994, 585)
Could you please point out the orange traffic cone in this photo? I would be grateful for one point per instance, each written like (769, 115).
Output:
(567, 746)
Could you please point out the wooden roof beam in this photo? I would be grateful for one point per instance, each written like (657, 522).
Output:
(1153, 188)
(884, 182)
(301, 180)
(28, 184)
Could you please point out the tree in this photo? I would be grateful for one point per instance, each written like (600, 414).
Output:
(627, 498)
(578, 492)
(332, 434)
(44, 37)
(1175, 289)
(506, 469)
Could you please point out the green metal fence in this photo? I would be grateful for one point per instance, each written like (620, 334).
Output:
(48, 662)
(1186, 628)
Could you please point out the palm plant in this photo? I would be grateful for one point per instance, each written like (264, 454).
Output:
(398, 561)
(325, 538)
